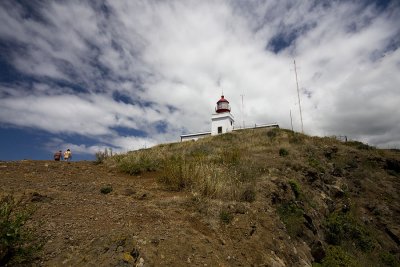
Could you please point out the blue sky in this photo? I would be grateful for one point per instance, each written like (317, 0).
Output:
(89, 75)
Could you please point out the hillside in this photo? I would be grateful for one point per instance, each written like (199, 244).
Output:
(262, 197)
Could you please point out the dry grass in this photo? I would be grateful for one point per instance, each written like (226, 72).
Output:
(303, 173)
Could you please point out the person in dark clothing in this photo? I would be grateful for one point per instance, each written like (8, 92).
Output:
(58, 156)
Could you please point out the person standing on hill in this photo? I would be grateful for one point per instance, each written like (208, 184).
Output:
(67, 155)
(58, 156)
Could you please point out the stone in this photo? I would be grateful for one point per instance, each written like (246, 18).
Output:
(127, 257)
(335, 191)
(318, 251)
(140, 263)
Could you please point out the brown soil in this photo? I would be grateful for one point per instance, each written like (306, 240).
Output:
(141, 224)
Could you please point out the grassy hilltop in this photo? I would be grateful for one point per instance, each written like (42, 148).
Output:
(341, 199)
(260, 197)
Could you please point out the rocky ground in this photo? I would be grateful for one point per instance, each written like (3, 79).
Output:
(141, 224)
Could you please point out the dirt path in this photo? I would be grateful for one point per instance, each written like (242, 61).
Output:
(137, 222)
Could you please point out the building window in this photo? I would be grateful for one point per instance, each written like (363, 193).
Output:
(219, 129)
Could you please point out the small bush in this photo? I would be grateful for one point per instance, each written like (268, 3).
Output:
(342, 228)
(225, 216)
(389, 259)
(17, 244)
(106, 189)
(102, 156)
(283, 152)
(295, 188)
(336, 256)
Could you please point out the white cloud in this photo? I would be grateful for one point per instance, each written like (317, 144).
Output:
(173, 58)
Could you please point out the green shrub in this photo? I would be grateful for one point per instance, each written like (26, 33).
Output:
(336, 256)
(283, 152)
(17, 243)
(225, 216)
(295, 188)
(340, 228)
(106, 189)
(389, 259)
(292, 216)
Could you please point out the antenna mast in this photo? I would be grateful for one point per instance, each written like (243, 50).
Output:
(291, 121)
(298, 96)
(242, 110)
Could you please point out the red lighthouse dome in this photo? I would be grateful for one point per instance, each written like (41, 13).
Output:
(222, 105)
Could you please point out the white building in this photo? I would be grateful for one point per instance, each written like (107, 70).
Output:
(222, 121)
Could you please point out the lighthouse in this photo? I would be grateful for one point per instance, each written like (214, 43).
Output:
(222, 120)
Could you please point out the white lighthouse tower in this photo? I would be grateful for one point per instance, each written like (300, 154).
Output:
(222, 120)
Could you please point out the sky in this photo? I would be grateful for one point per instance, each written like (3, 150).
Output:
(126, 75)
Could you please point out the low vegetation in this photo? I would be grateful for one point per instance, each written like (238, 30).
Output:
(101, 156)
(17, 243)
(106, 189)
(319, 189)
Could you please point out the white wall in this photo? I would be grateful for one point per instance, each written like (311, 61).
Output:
(193, 137)
(224, 120)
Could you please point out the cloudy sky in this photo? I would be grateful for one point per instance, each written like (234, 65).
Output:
(86, 75)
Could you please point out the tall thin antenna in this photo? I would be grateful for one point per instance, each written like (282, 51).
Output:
(298, 96)
(242, 110)
(291, 121)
